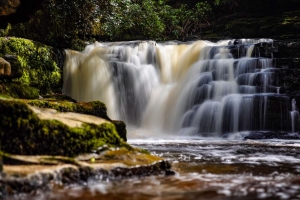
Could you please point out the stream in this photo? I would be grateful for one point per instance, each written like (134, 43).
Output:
(197, 100)
(206, 168)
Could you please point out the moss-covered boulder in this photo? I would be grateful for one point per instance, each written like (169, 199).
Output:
(66, 104)
(17, 90)
(38, 63)
(30, 130)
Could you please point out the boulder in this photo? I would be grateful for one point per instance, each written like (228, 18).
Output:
(16, 70)
(66, 104)
(5, 68)
(10, 67)
(28, 130)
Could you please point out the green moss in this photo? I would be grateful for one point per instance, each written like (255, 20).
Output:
(17, 90)
(95, 108)
(65, 104)
(127, 157)
(37, 61)
(22, 132)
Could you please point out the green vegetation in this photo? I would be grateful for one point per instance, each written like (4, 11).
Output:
(74, 23)
(69, 23)
(17, 90)
(22, 132)
(37, 62)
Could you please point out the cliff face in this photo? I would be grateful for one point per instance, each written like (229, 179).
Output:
(16, 11)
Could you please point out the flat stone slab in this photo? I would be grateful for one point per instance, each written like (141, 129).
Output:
(25, 174)
(68, 118)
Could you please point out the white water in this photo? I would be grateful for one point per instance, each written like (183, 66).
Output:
(177, 88)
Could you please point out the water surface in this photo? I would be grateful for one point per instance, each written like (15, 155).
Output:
(206, 168)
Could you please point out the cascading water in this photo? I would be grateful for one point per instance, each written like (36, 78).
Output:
(194, 88)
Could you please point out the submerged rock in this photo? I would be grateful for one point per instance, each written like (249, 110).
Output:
(28, 130)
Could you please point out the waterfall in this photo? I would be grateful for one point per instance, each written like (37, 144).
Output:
(294, 116)
(193, 88)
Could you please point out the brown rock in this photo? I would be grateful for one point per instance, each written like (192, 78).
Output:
(5, 68)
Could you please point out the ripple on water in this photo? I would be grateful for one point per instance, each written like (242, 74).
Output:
(206, 169)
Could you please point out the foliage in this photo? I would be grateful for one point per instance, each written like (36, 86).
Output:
(68, 23)
(17, 90)
(39, 68)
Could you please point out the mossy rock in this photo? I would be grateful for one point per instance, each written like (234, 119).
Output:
(39, 64)
(24, 131)
(17, 90)
(66, 104)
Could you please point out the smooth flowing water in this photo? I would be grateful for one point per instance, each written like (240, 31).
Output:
(195, 104)
(206, 168)
(194, 88)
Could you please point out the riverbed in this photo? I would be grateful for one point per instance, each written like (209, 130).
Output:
(206, 168)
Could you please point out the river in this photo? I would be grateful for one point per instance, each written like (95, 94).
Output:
(206, 168)
(199, 98)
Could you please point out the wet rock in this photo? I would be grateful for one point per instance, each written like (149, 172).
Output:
(121, 129)
(271, 113)
(66, 175)
(44, 172)
(272, 135)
